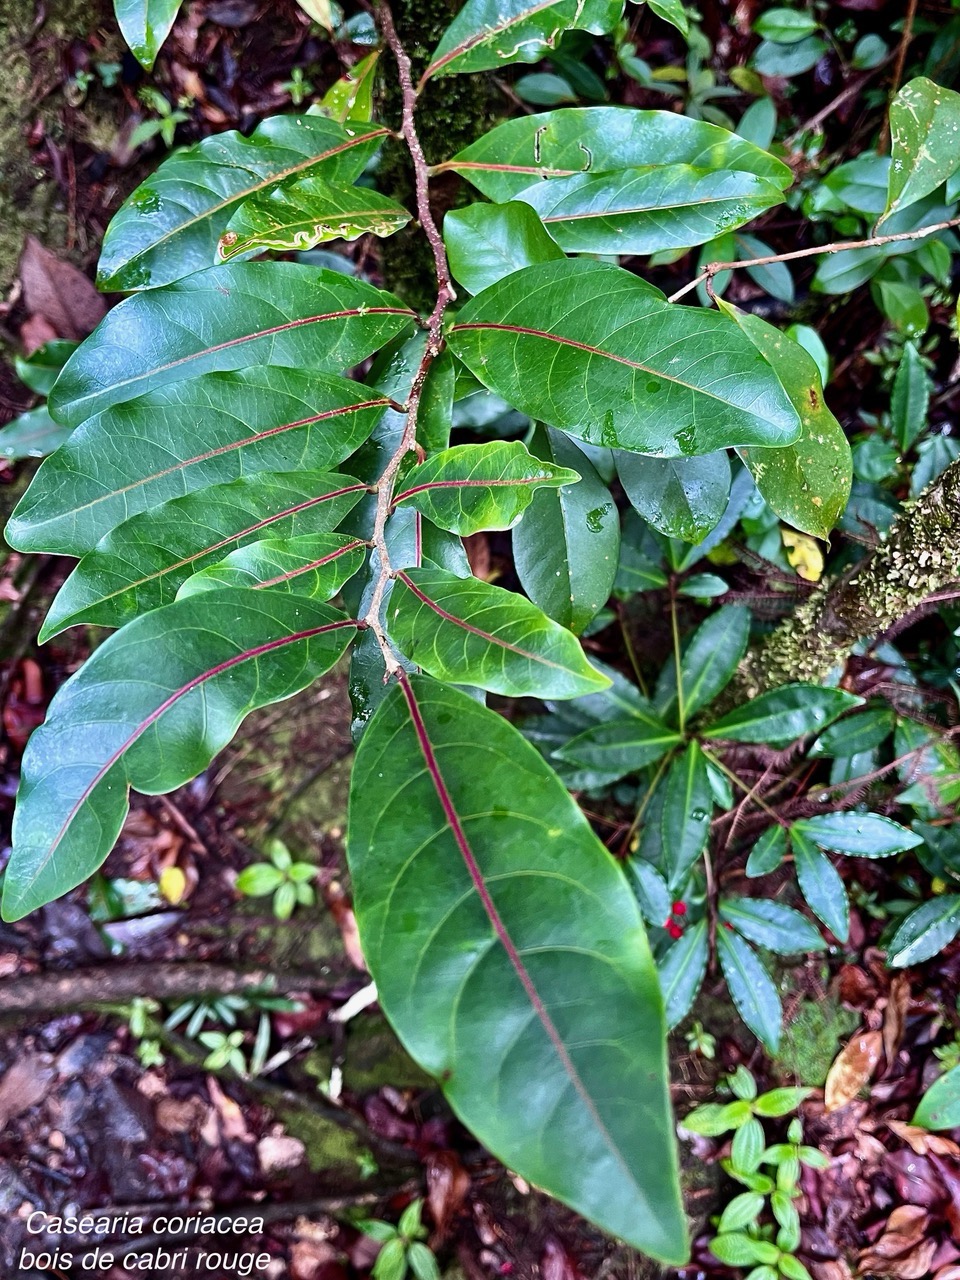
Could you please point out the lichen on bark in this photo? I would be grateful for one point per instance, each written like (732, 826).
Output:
(919, 557)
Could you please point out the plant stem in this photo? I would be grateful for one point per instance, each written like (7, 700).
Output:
(435, 341)
(872, 242)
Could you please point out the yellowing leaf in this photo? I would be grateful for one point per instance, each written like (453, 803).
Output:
(321, 11)
(172, 885)
(803, 554)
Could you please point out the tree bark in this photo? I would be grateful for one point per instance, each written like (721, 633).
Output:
(918, 558)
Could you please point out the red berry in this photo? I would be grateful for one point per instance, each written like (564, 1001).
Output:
(673, 929)
(679, 908)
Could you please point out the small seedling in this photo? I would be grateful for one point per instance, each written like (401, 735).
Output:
(287, 880)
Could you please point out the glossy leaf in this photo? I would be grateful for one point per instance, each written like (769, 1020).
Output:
(751, 988)
(853, 734)
(910, 398)
(807, 483)
(486, 242)
(300, 215)
(784, 714)
(479, 486)
(707, 664)
(620, 365)
(619, 747)
(772, 925)
(681, 497)
(471, 632)
(169, 227)
(925, 931)
(140, 565)
(576, 140)
(767, 854)
(864, 835)
(145, 24)
(148, 451)
(315, 565)
(150, 709)
(222, 319)
(487, 34)
(33, 434)
(685, 820)
(924, 127)
(509, 955)
(647, 210)
(40, 370)
(351, 97)
(651, 890)
(566, 550)
(681, 972)
(940, 1106)
(821, 885)
(671, 11)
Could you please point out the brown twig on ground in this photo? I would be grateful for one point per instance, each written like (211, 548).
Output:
(434, 326)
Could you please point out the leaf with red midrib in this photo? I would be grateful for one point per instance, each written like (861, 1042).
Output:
(509, 954)
(149, 710)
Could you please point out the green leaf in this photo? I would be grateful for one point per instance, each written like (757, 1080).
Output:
(783, 715)
(622, 366)
(780, 1102)
(391, 1263)
(708, 662)
(747, 1147)
(752, 990)
(685, 822)
(738, 1250)
(487, 34)
(910, 399)
(924, 124)
(767, 854)
(940, 1106)
(509, 954)
(864, 835)
(771, 924)
(821, 885)
(856, 733)
(40, 370)
(713, 1118)
(785, 26)
(648, 210)
(806, 483)
(149, 451)
(351, 97)
(300, 215)
(681, 972)
(141, 564)
(479, 486)
(671, 11)
(486, 242)
(169, 227)
(567, 549)
(651, 890)
(742, 1210)
(315, 565)
(422, 1262)
(619, 747)
(183, 677)
(681, 497)
(925, 931)
(792, 1267)
(260, 879)
(145, 24)
(576, 140)
(33, 434)
(471, 632)
(226, 318)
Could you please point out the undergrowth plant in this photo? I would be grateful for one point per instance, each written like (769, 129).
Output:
(249, 440)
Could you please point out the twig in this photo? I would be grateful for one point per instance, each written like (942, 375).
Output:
(872, 242)
(850, 91)
(435, 341)
(905, 37)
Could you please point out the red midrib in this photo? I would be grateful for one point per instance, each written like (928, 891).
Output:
(499, 928)
(165, 706)
(516, 483)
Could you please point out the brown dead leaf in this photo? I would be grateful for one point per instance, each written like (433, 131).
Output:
(905, 1248)
(24, 1085)
(340, 908)
(556, 1263)
(922, 1142)
(852, 1069)
(59, 292)
(895, 1017)
(477, 547)
(279, 1153)
(229, 1117)
(447, 1186)
(947, 1273)
(35, 332)
(181, 1115)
